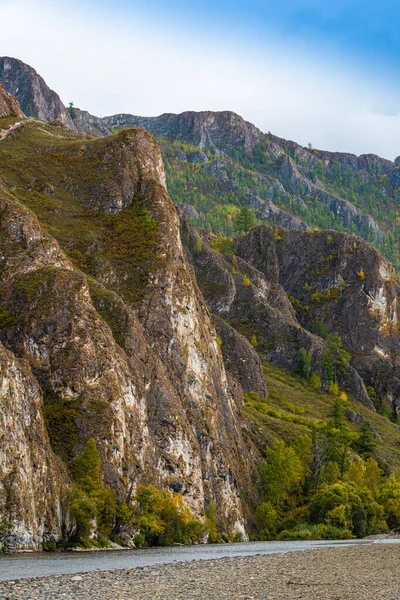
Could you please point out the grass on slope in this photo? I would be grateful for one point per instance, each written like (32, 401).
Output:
(294, 407)
(41, 165)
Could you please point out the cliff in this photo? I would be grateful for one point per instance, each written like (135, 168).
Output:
(35, 97)
(117, 337)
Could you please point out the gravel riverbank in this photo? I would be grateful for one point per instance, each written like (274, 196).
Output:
(366, 572)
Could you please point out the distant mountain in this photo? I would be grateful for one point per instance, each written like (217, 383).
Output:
(35, 97)
(285, 183)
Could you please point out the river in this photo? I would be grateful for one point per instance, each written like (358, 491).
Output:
(43, 564)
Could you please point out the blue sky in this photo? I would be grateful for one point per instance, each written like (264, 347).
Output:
(363, 31)
(309, 70)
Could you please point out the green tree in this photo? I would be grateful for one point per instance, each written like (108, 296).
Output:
(280, 472)
(86, 468)
(244, 220)
(91, 504)
(365, 444)
(320, 329)
(72, 110)
(336, 359)
(162, 518)
(266, 520)
(303, 367)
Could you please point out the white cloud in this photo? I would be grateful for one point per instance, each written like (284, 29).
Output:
(108, 66)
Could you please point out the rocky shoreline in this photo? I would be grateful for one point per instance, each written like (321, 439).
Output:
(367, 572)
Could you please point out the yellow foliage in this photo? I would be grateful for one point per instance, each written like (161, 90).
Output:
(361, 273)
(245, 281)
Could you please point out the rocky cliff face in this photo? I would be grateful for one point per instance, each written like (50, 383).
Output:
(342, 282)
(128, 356)
(245, 290)
(9, 106)
(32, 484)
(35, 97)
(224, 131)
(285, 166)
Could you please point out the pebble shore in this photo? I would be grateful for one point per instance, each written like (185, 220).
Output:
(367, 572)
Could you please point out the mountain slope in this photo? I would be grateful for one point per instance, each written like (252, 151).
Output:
(125, 353)
(170, 346)
(231, 163)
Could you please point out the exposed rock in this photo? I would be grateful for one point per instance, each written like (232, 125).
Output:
(159, 403)
(281, 218)
(252, 304)
(35, 97)
(349, 287)
(188, 210)
(222, 131)
(198, 158)
(9, 105)
(358, 419)
(31, 481)
(241, 359)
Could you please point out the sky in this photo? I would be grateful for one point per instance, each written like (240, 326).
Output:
(314, 71)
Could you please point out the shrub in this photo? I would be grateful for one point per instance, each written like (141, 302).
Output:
(340, 505)
(211, 522)
(199, 246)
(333, 388)
(320, 329)
(361, 274)
(315, 381)
(223, 245)
(246, 281)
(162, 518)
(266, 520)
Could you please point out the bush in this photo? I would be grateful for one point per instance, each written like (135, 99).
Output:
(315, 381)
(82, 510)
(223, 245)
(266, 520)
(211, 523)
(162, 518)
(246, 281)
(340, 505)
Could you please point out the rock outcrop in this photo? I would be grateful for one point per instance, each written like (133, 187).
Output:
(246, 291)
(35, 97)
(344, 283)
(32, 484)
(128, 356)
(9, 106)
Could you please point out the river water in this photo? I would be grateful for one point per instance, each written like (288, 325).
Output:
(42, 564)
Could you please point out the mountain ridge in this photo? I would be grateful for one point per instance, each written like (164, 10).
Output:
(173, 351)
